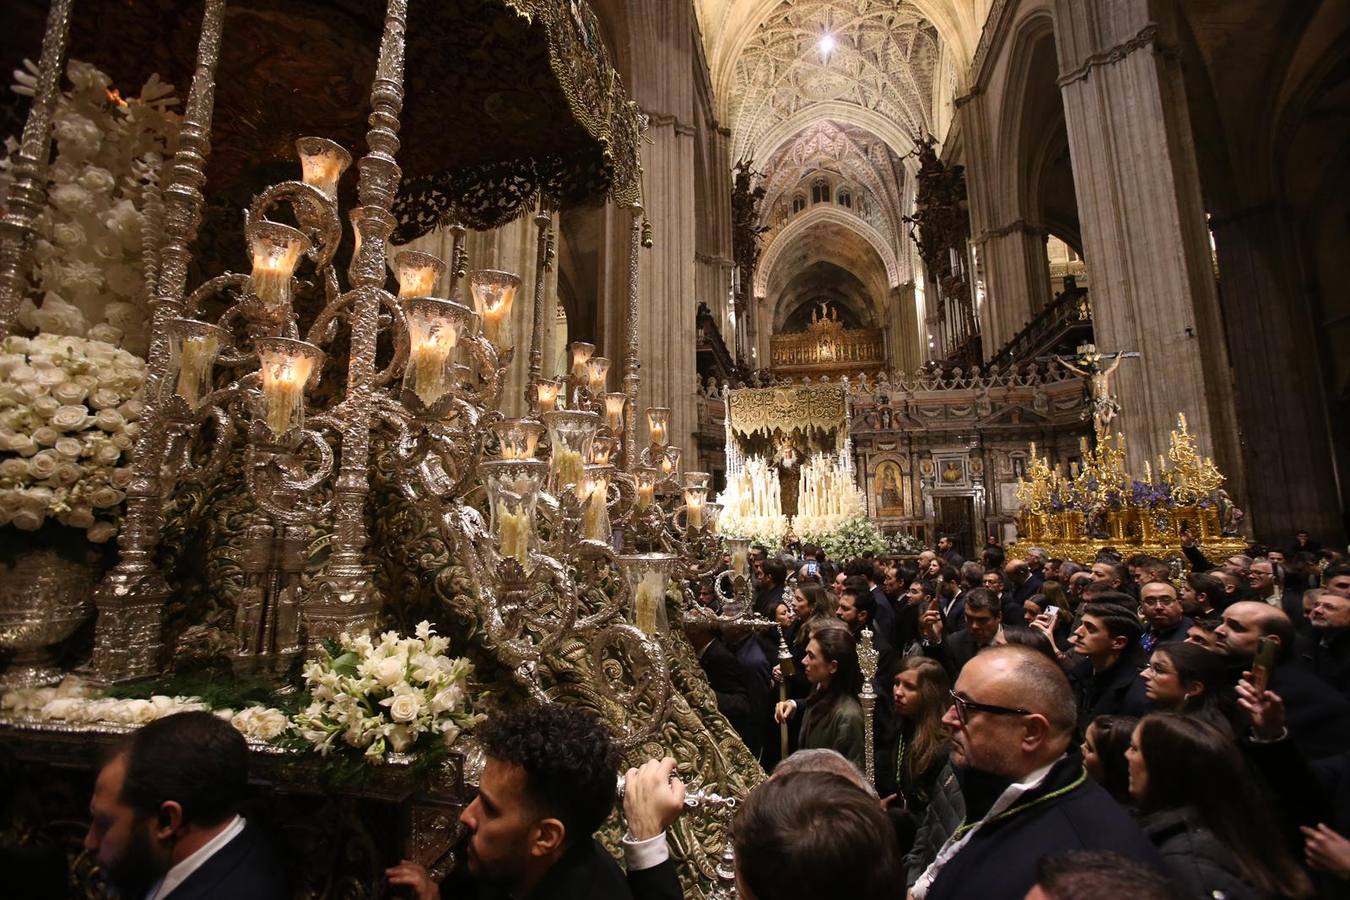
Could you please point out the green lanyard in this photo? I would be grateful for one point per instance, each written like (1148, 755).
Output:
(1014, 810)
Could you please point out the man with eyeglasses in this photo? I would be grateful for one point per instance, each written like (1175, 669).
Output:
(1161, 605)
(1026, 792)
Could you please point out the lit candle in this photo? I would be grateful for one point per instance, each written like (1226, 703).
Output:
(597, 369)
(658, 425)
(276, 251)
(547, 392)
(651, 595)
(594, 515)
(568, 466)
(1073, 470)
(693, 507)
(1148, 472)
(670, 460)
(646, 487)
(581, 354)
(515, 532)
(417, 273)
(286, 366)
(493, 295)
(601, 450)
(614, 404)
(519, 439)
(200, 344)
(433, 332)
(322, 163)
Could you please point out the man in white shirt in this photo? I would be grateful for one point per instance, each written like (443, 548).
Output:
(164, 816)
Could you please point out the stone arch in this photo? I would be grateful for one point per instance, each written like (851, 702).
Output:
(741, 19)
(891, 134)
(820, 214)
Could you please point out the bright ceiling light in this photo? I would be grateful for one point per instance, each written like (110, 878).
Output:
(826, 44)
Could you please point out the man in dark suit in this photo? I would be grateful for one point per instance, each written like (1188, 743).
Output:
(1106, 680)
(984, 628)
(165, 816)
(1023, 582)
(548, 785)
(996, 583)
(727, 678)
(769, 590)
(1027, 794)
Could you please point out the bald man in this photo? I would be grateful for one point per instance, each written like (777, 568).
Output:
(1318, 717)
(1026, 792)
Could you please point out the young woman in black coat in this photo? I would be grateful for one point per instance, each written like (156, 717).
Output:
(1207, 813)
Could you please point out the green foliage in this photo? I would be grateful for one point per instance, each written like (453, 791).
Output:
(213, 689)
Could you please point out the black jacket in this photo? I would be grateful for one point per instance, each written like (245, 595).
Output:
(1119, 691)
(1000, 860)
(730, 683)
(1201, 864)
(1177, 632)
(245, 867)
(585, 872)
(954, 652)
(1330, 662)
(1318, 717)
(1028, 589)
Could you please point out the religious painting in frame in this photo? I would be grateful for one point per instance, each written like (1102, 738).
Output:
(889, 489)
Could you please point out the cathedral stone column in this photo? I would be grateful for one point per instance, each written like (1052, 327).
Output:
(1017, 280)
(664, 33)
(1144, 235)
(1285, 443)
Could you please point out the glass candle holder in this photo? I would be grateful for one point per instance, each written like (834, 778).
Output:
(547, 392)
(322, 163)
(602, 449)
(739, 548)
(493, 294)
(288, 367)
(418, 273)
(712, 513)
(658, 425)
(276, 250)
(647, 478)
(597, 370)
(570, 434)
(581, 355)
(519, 438)
(594, 498)
(513, 494)
(648, 576)
(614, 404)
(702, 480)
(694, 501)
(669, 463)
(434, 329)
(193, 348)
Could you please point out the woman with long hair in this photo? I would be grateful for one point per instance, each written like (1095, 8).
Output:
(908, 766)
(1207, 813)
(811, 604)
(831, 716)
(1104, 744)
(1190, 680)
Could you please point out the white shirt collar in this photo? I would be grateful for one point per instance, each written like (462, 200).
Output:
(180, 872)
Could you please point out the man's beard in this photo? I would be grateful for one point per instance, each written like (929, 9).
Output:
(132, 875)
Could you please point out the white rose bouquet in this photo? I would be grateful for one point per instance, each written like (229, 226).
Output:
(98, 232)
(69, 412)
(853, 539)
(399, 695)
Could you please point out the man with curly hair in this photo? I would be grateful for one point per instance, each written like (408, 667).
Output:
(548, 785)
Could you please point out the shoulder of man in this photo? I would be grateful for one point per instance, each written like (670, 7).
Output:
(246, 866)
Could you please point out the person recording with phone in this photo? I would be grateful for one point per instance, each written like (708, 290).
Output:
(1318, 716)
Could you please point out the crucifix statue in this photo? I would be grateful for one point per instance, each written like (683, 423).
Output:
(1105, 407)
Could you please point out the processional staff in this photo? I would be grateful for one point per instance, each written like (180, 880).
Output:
(867, 661)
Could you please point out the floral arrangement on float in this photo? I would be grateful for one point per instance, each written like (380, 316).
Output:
(902, 543)
(372, 698)
(95, 255)
(69, 412)
(855, 538)
(397, 694)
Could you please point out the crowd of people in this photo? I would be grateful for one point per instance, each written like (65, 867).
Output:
(1055, 731)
